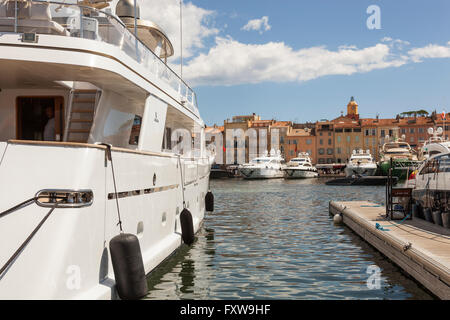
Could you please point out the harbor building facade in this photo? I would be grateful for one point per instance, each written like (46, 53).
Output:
(300, 140)
(326, 141)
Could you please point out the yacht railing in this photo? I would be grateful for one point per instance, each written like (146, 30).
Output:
(74, 20)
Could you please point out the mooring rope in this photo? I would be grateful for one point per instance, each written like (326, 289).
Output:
(27, 240)
(182, 181)
(116, 195)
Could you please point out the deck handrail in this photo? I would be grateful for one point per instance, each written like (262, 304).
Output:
(187, 94)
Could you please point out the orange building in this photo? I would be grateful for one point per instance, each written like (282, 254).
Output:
(415, 130)
(300, 140)
(348, 136)
(325, 142)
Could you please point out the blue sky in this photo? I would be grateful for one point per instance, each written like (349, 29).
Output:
(314, 56)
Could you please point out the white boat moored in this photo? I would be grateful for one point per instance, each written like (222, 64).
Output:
(266, 167)
(300, 167)
(361, 164)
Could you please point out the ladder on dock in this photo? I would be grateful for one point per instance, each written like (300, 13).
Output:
(397, 199)
(81, 111)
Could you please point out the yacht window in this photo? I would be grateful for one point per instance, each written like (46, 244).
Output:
(39, 118)
(135, 130)
(397, 152)
(444, 163)
(260, 160)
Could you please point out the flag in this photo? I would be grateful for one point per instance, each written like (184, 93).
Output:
(443, 115)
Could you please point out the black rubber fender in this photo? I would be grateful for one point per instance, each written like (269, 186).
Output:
(209, 201)
(187, 227)
(128, 266)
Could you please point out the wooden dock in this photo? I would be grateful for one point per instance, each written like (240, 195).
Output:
(420, 248)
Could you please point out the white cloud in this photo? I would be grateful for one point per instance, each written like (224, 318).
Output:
(430, 51)
(395, 43)
(260, 25)
(230, 62)
(196, 23)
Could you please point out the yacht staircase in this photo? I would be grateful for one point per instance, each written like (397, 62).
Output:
(82, 106)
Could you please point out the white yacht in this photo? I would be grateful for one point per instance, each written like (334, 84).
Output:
(91, 119)
(300, 167)
(361, 164)
(400, 155)
(266, 167)
(432, 184)
(436, 144)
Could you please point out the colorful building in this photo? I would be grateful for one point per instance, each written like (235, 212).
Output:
(300, 140)
(330, 141)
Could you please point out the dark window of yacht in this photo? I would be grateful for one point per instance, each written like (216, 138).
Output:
(40, 118)
(135, 130)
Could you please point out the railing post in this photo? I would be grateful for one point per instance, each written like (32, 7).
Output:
(15, 16)
(135, 32)
(81, 23)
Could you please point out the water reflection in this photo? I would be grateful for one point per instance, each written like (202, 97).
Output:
(274, 239)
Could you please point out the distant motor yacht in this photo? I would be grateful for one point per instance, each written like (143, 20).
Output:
(300, 167)
(265, 167)
(403, 157)
(361, 164)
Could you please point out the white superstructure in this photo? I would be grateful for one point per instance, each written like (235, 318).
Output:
(432, 183)
(436, 144)
(266, 167)
(361, 164)
(78, 77)
(300, 167)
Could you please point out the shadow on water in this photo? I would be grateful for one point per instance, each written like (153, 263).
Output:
(274, 239)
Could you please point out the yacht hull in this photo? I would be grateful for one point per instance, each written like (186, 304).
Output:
(300, 174)
(360, 170)
(261, 173)
(400, 167)
(69, 258)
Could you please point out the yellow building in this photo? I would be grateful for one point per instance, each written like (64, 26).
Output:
(348, 137)
(352, 109)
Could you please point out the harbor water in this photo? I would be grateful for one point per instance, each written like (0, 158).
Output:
(274, 239)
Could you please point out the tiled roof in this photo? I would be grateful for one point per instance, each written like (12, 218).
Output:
(299, 133)
(282, 124)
